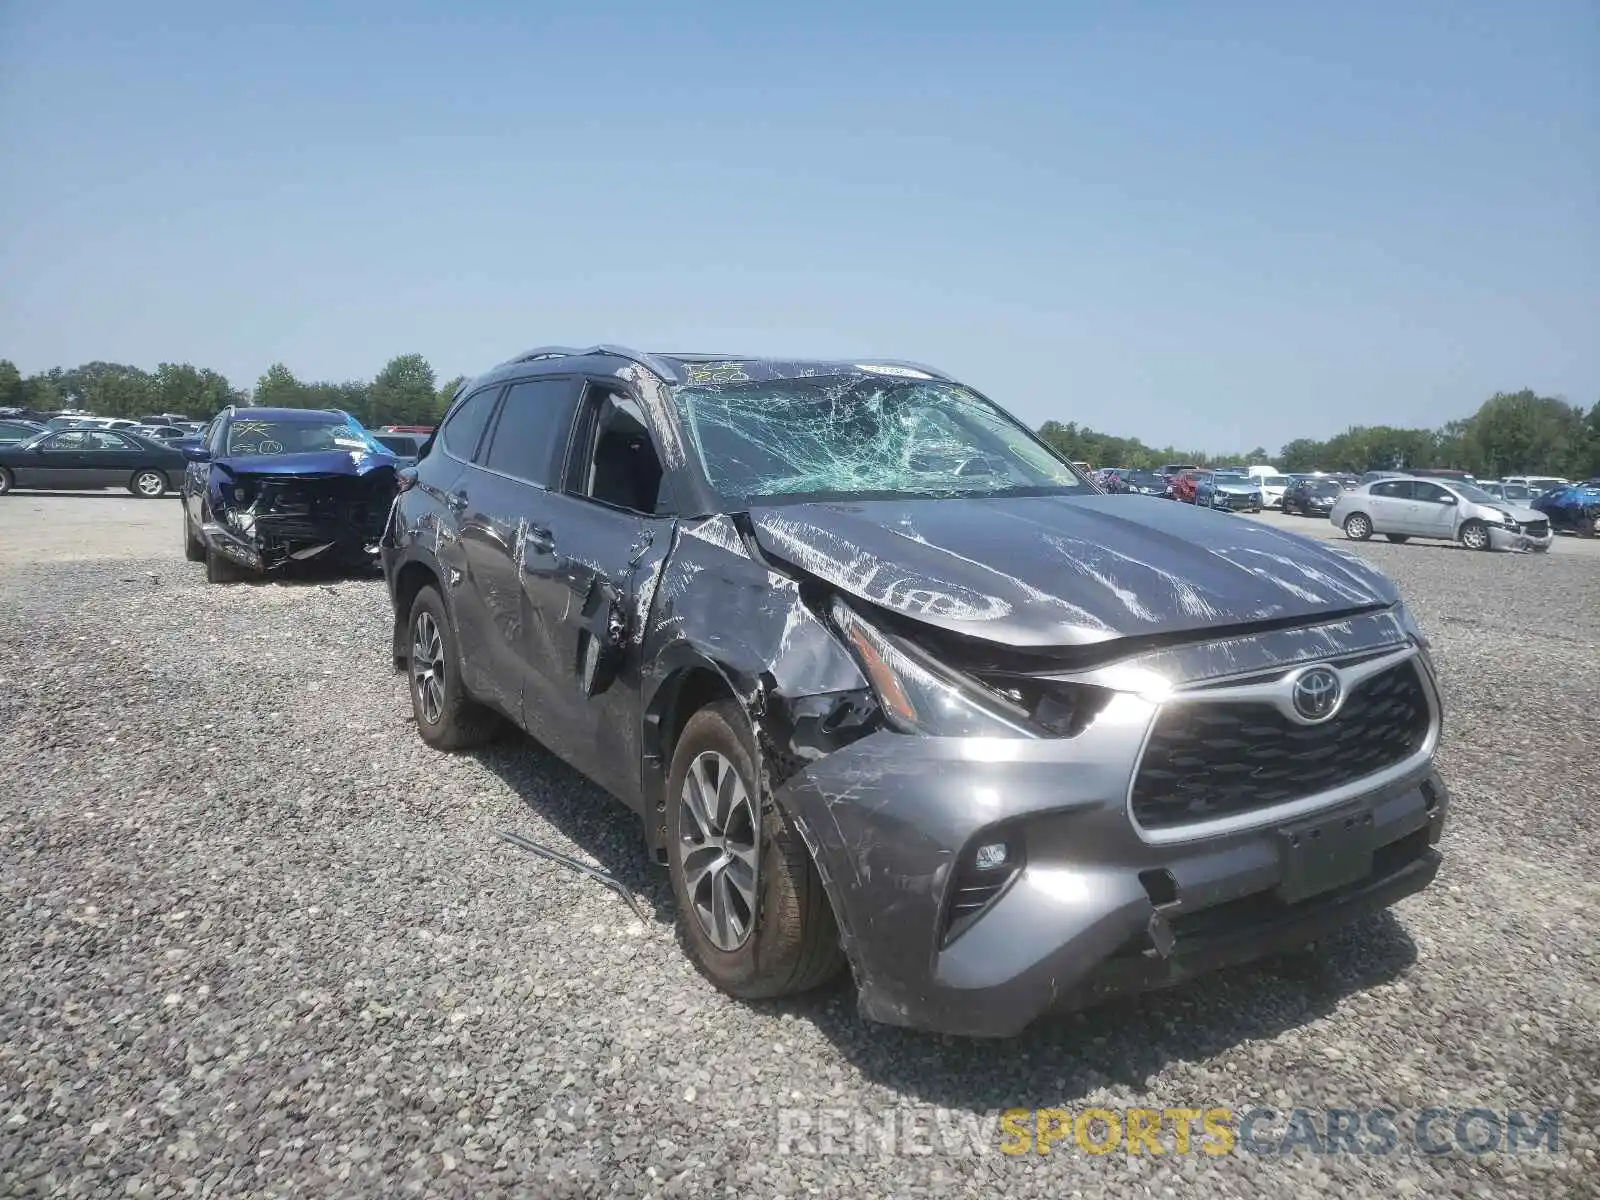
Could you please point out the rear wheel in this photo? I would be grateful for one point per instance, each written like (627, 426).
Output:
(1358, 527)
(7, 481)
(1399, 539)
(751, 905)
(1475, 535)
(447, 718)
(148, 485)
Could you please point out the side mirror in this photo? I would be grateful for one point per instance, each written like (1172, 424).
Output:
(197, 454)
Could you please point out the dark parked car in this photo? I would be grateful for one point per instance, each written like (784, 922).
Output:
(91, 458)
(273, 486)
(1000, 742)
(1313, 497)
(406, 447)
(14, 430)
(1145, 483)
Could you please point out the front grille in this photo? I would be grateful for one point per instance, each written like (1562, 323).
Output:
(1215, 759)
(1535, 528)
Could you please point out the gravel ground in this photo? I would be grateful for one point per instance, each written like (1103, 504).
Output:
(256, 938)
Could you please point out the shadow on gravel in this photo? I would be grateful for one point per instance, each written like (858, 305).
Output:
(604, 831)
(1062, 1058)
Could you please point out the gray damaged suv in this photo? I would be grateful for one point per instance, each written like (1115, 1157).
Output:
(891, 685)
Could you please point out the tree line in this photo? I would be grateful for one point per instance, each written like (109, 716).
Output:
(405, 392)
(1511, 432)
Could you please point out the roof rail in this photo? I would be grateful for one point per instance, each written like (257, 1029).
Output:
(539, 352)
(911, 366)
(649, 361)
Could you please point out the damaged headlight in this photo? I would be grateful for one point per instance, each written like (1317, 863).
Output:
(917, 695)
(240, 521)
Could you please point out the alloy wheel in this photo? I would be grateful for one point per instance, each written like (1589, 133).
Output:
(1475, 537)
(718, 849)
(427, 667)
(150, 484)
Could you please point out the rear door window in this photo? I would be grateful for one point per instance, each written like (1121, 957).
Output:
(1394, 489)
(464, 428)
(529, 441)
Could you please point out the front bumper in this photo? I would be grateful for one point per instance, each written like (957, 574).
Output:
(1096, 909)
(276, 542)
(1501, 538)
(1231, 502)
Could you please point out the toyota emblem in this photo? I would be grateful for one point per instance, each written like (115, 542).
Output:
(1317, 694)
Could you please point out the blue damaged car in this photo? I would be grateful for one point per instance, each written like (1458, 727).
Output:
(1574, 508)
(269, 487)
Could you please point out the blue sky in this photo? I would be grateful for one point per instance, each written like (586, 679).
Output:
(1217, 225)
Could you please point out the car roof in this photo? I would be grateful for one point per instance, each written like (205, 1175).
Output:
(688, 367)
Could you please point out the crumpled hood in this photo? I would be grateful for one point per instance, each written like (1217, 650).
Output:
(1067, 570)
(315, 462)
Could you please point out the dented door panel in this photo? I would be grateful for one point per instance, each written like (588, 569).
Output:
(588, 574)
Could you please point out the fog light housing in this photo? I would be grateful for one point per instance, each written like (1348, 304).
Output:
(991, 857)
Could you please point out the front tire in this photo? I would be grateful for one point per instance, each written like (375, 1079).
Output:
(7, 481)
(220, 569)
(1475, 535)
(148, 485)
(1358, 527)
(447, 717)
(193, 548)
(751, 905)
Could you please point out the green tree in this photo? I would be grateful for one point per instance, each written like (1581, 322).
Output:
(278, 388)
(196, 392)
(404, 392)
(1522, 432)
(11, 386)
(352, 397)
(40, 393)
(447, 393)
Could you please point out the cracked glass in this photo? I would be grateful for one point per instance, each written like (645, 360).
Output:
(864, 437)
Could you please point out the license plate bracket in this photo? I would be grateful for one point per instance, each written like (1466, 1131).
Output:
(1325, 853)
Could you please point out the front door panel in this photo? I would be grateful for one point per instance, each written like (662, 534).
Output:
(589, 572)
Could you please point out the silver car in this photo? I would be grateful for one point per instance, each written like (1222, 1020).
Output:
(1405, 508)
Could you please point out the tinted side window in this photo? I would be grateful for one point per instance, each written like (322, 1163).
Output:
(1398, 489)
(1431, 492)
(464, 428)
(530, 438)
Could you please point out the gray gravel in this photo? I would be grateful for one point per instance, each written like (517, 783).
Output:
(256, 938)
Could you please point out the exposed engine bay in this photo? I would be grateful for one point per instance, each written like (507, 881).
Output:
(277, 519)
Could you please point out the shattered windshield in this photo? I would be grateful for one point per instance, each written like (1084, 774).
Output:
(249, 437)
(851, 436)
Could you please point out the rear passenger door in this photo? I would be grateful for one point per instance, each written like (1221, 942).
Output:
(1390, 506)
